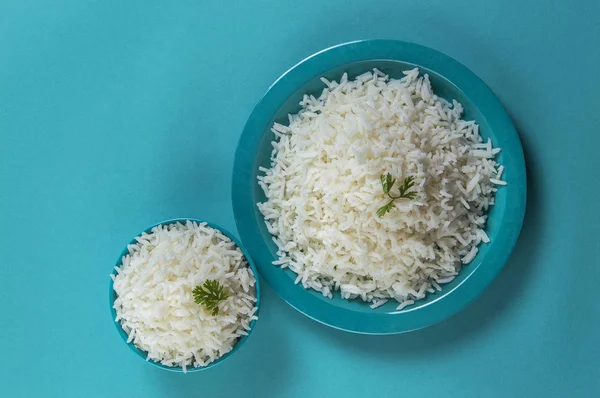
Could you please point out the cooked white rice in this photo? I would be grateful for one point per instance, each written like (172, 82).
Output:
(323, 189)
(155, 305)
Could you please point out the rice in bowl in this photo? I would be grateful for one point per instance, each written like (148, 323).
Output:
(155, 302)
(323, 189)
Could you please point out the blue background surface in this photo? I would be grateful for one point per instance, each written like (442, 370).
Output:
(117, 114)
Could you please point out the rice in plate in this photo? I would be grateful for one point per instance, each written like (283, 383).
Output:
(324, 189)
(155, 303)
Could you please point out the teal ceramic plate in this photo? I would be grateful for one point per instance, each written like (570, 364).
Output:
(450, 80)
(142, 354)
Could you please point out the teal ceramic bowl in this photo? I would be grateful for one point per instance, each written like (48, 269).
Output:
(450, 80)
(142, 354)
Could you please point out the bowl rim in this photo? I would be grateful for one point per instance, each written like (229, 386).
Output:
(491, 109)
(140, 353)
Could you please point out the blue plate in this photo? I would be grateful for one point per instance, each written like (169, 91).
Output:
(143, 354)
(450, 80)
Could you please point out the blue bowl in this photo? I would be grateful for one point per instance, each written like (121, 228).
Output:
(450, 80)
(142, 354)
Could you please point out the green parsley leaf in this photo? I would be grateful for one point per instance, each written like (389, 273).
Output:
(210, 294)
(387, 182)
